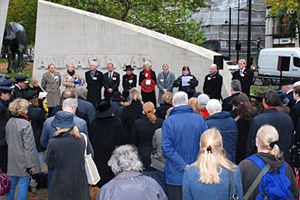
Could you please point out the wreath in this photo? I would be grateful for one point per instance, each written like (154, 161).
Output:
(148, 88)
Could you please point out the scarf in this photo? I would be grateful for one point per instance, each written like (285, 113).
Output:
(187, 74)
(149, 74)
(71, 73)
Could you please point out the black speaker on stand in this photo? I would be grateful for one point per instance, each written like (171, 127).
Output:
(218, 60)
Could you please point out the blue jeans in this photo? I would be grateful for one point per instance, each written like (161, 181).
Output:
(23, 187)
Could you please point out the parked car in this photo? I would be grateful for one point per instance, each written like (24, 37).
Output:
(232, 66)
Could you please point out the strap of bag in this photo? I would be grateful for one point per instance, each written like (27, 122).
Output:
(256, 181)
(234, 196)
(85, 139)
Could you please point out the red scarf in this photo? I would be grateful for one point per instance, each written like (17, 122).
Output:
(26, 117)
(270, 107)
(149, 72)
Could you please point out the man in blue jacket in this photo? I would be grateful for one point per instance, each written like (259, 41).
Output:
(225, 124)
(181, 133)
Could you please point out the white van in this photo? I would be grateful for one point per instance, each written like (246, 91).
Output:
(270, 60)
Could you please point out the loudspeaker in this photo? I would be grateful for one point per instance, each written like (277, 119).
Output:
(218, 60)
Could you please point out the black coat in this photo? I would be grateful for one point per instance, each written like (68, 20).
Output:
(226, 106)
(4, 117)
(128, 83)
(162, 110)
(37, 91)
(212, 86)
(105, 134)
(113, 84)
(145, 95)
(18, 93)
(283, 124)
(142, 134)
(292, 101)
(246, 80)
(190, 90)
(94, 86)
(37, 118)
(295, 113)
(65, 155)
(130, 114)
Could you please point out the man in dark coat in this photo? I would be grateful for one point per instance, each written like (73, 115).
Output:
(83, 105)
(5, 95)
(282, 122)
(295, 110)
(94, 79)
(20, 84)
(287, 86)
(245, 76)
(111, 81)
(213, 83)
(104, 142)
(225, 124)
(129, 81)
(235, 91)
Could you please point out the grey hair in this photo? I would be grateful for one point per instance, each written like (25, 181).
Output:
(180, 98)
(203, 98)
(235, 85)
(213, 105)
(70, 102)
(125, 158)
(81, 91)
(165, 65)
(242, 60)
(94, 63)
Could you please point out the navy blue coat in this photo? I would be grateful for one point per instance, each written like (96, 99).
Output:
(228, 129)
(283, 124)
(181, 133)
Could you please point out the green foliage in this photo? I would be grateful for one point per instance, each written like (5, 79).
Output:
(24, 11)
(286, 11)
(168, 17)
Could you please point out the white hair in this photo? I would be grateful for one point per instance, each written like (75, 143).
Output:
(242, 60)
(180, 98)
(213, 105)
(203, 99)
(94, 63)
(125, 158)
(296, 84)
(70, 102)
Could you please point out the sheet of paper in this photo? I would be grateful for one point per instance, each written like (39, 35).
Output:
(185, 80)
(43, 94)
(148, 82)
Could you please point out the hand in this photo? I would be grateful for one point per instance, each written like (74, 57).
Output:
(186, 167)
(110, 90)
(165, 90)
(30, 170)
(40, 98)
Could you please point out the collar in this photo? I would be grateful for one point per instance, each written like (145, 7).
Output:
(243, 69)
(18, 86)
(271, 107)
(297, 101)
(213, 74)
(291, 90)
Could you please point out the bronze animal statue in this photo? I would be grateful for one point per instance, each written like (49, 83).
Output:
(14, 42)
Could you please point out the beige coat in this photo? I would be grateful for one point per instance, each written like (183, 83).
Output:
(51, 85)
(22, 152)
(68, 80)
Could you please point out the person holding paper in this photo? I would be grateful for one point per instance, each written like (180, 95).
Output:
(129, 81)
(147, 81)
(34, 85)
(186, 82)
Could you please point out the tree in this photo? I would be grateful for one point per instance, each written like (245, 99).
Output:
(287, 11)
(168, 16)
(24, 11)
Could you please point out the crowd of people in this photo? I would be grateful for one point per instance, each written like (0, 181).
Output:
(183, 145)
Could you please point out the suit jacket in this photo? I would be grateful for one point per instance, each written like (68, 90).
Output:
(295, 113)
(113, 84)
(246, 80)
(94, 86)
(226, 106)
(283, 124)
(165, 83)
(212, 86)
(52, 86)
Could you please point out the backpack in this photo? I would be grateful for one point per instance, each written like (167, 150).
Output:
(4, 184)
(273, 184)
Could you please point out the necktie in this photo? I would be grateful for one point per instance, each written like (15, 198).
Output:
(241, 72)
(109, 77)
